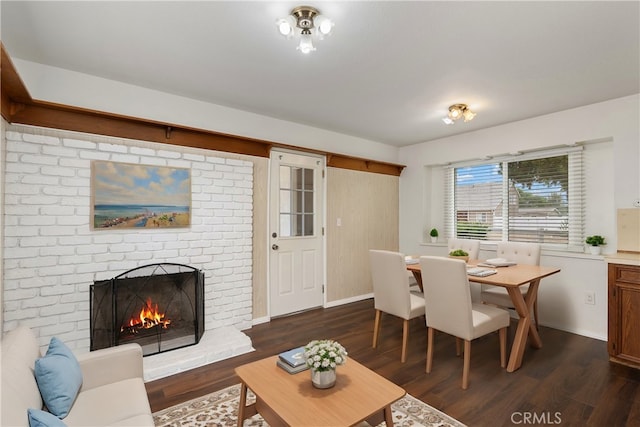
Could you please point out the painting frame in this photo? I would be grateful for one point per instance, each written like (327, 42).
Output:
(127, 196)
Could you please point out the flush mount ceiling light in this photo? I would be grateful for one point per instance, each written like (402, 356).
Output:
(307, 23)
(456, 111)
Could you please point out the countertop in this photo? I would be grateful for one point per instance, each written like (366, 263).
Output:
(627, 258)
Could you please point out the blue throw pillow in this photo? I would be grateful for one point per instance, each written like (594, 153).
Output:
(59, 378)
(39, 418)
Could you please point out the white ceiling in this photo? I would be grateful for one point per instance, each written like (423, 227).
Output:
(387, 73)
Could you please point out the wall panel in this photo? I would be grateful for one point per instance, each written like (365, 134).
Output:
(366, 206)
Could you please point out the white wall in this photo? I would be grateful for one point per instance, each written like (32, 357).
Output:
(52, 256)
(81, 90)
(615, 183)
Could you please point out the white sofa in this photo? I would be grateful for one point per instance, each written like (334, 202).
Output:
(112, 392)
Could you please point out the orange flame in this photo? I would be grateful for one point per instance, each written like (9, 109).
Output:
(148, 317)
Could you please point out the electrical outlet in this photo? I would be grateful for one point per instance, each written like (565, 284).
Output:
(590, 297)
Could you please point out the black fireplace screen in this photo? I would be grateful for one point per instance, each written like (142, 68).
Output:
(159, 306)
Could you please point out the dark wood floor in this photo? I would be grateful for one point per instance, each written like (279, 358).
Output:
(569, 381)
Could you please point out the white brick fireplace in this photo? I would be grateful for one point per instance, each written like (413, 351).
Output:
(51, 255)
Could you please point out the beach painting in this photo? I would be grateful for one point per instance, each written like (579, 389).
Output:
(139, 196)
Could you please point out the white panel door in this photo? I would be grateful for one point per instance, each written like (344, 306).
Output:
(296, 243)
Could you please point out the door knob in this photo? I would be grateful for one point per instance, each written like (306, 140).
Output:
(274, 247)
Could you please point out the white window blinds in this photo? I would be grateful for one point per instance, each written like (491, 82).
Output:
(538, 197)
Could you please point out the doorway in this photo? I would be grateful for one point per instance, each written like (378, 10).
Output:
(296, 253)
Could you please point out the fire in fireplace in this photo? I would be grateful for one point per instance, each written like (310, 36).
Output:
(149, 317)
(159, 306)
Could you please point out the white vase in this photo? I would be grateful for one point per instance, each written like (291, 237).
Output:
(434, 239)
(323, 379)
(595, 250)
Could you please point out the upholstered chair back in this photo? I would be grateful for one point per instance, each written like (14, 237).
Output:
(472, 247)
(390, 283)
(520, 252)
(447, 296)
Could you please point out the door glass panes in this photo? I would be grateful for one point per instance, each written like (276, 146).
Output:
(285, 201)
(308, 225)
(308, 202)
(296, 201)
(308, 179)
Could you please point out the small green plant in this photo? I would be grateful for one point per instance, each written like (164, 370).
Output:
(595, 241)
(458, 252)
(433, 232)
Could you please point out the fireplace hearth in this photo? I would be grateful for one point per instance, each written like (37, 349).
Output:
(159, 306)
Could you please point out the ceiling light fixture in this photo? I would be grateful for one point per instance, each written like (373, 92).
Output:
(307, 23)
(456, 111)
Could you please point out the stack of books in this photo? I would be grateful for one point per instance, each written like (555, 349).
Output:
(292, 360)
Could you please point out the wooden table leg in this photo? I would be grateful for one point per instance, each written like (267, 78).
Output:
(245, 411)
(388, 416)
(525, 327)
(242, 404)
(530, 299)
(418, 276)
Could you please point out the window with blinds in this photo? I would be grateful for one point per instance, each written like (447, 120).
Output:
(527, 198)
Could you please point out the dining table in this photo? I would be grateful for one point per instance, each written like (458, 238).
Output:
(511, 278)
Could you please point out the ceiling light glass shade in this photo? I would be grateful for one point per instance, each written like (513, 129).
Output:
(455, 112)
(447, 121)
(468, 115)
(306, 44)
(323, 24)
(286, 26)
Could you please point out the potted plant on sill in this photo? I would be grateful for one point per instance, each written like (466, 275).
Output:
(434, 235)
(594, 243)
(459, 254)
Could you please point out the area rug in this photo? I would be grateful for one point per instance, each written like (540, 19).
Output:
(220, 409)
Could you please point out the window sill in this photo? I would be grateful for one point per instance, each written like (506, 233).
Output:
(545, 252)
(442, 244)
(577, 255)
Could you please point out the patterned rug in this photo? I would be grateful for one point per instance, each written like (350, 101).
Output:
(220, 409)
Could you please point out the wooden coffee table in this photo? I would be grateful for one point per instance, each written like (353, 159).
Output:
(283, 399)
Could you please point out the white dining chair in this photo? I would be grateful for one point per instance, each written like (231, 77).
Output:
(391, 293)
(470, 246)
(520, 253)
(449, 309)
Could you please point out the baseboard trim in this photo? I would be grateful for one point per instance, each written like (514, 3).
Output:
(260, 320)
(348, 300)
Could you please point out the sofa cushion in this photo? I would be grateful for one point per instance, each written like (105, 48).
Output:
(121, 403)
(19, 350)
(59, 378)
(40, 418)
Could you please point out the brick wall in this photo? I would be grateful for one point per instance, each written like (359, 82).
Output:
(51, 255)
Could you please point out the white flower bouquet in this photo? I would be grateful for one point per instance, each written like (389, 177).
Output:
(324, 355)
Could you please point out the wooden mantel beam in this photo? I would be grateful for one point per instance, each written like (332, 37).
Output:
(19, 107)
